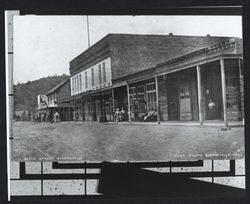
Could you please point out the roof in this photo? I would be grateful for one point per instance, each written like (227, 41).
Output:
(131, 53)
(58, 86)
(232, 46)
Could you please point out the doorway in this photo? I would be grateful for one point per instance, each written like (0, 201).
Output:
(211, 78)
(173, 102)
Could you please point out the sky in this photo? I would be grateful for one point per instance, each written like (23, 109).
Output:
(44, 45)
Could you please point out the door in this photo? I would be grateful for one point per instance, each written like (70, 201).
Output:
(172, 102)
(185, 101)
(212, 91)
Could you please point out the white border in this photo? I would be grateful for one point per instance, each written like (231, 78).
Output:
(7, 101)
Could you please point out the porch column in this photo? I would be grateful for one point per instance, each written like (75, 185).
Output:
(113, 103)
(87, 107)
(91, 109)
(223, 83)
(198, 69)
(157, 100)
(241, 114)
(129, 109)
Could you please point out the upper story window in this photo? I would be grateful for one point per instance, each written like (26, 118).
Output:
(92, 77)
(104, 72)
(100, 73)
(86, 80)
(80, 82)
(75, 85)
(72, 85)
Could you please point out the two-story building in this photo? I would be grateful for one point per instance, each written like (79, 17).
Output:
(56, 94)
(48, 104)
(42, 107)
(179, 77)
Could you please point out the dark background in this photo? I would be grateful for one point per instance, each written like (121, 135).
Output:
(112, 7)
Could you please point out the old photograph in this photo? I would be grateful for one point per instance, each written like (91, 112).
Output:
(114, 106)
(127, 88)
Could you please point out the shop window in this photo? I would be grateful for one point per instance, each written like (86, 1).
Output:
(151, 86)
(151, 96)
(132, 90)
(140, 93)
(151, 100)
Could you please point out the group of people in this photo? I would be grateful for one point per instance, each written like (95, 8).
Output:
(120, 115)
(52, 118)
(151, 115)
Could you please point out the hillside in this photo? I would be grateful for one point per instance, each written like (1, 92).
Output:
(25, 94)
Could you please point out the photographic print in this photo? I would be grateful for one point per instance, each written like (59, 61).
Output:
(161, 97)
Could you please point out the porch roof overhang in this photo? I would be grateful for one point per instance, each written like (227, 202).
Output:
(87, 93)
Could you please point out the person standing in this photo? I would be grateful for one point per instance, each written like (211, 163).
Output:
(117, 115)
(56, 117)
(122, 114)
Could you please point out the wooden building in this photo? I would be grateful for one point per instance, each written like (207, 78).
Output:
(52, 103)
(179, 77)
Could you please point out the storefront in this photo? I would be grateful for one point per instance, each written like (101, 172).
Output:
(102, 107)
(142, 97)
(205, 85)
(178, 96)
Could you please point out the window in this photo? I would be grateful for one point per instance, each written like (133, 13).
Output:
(80, 77)
(132, 91)
(104, 72)
(140, 93)
(151, 100)
(92, 77)
(100, 74)
(72, 85)
(77, 83)
(151, 96)
(86, 80)
(151, 87)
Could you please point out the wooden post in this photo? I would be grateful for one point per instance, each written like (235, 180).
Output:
(223, 83)
(87, 108)
(91, 109)
(241, 114)
(113, 103)
(157, 100)
(198, 71)
(129, 109)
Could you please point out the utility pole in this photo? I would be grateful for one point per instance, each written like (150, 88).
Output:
(88, 31)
